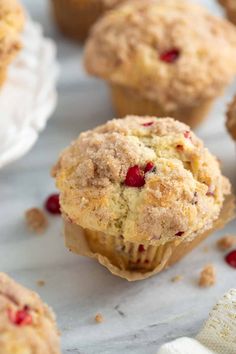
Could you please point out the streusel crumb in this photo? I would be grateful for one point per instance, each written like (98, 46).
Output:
(36, 220)
(99, 318)
(207, 276)
(40, 283)
(176, 278)
(226, 242)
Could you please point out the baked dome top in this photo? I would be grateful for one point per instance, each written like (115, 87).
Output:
(145, 178)
(166, 50)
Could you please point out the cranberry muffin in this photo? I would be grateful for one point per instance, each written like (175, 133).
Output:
(230, 8)
(12, 21)
(143, 191)
(231, 119)
(27, 325)
(75, 17)
(162, 58)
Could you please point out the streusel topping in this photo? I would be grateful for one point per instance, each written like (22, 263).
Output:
(231, 119)
(26, 324)
(145, 178)
(165, 50)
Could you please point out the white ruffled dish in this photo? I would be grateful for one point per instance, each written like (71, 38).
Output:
(28, 97)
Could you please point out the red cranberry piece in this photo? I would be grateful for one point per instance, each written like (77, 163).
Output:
(230, 258)
(134, 177)
(141, 248)
(180, 233)
(147, 124)
(187, 134)
(149, 167)
(20, 317)
(52, 204)
(170, 56)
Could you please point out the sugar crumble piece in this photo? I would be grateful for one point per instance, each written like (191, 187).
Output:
(36, 220)
(40, 283)
(207, 276)
(99, 318)
(226, 242)
(176, 278)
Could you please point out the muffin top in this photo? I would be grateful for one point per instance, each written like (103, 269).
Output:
(229, 4)
(231, 119)
(165, 50)
(26, 324)
(12, 20)
(145, 178)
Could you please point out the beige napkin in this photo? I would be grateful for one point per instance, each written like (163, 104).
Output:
(217, 336)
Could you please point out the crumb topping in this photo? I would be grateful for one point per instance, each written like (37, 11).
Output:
(207, 276)
(163, 49)
(231, 119)
(36, 220)
(171, 202)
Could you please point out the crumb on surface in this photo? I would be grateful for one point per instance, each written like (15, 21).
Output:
(36, 220)
(207, 276)
(226, 242)
(99, 318)
(176, 278)
(206, 249)
(40, 283)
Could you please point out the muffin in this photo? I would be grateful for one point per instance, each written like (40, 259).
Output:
(11, 24)
(27, 325)
(162, 58)
(231, 119)
(140, 192)
(75, 17)
(230, 8)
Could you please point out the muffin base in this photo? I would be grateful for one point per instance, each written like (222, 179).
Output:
(126, 101)
(75, 18)
(231, 13)
(110, 251)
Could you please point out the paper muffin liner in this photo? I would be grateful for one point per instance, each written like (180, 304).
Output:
(75, 18)
(126, 101)
(127, 260)
(28, 96)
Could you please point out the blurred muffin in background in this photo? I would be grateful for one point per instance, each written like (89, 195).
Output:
(75, 17)
(162, 58)
(144, 191)
(27, 325)
(231, 119)
(12, 21)
(230, 8)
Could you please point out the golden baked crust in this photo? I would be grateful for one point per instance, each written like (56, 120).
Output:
(126, 45)
(19, 335)
(231, 119)
(230, 7)
(182, 196)
(12, 20)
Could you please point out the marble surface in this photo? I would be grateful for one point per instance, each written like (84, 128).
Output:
(138, 316)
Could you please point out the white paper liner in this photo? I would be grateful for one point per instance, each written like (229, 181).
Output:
(28, 97)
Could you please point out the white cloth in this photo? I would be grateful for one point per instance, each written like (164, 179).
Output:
(28, 97)
(218, 335)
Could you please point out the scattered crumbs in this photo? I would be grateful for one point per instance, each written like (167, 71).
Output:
(36, 220)
(226, 242)
(206, 249)
(207, 276)
(40, 283)
(176, 278)
(99, 318)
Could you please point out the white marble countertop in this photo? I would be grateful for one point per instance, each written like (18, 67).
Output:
(138, 316)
